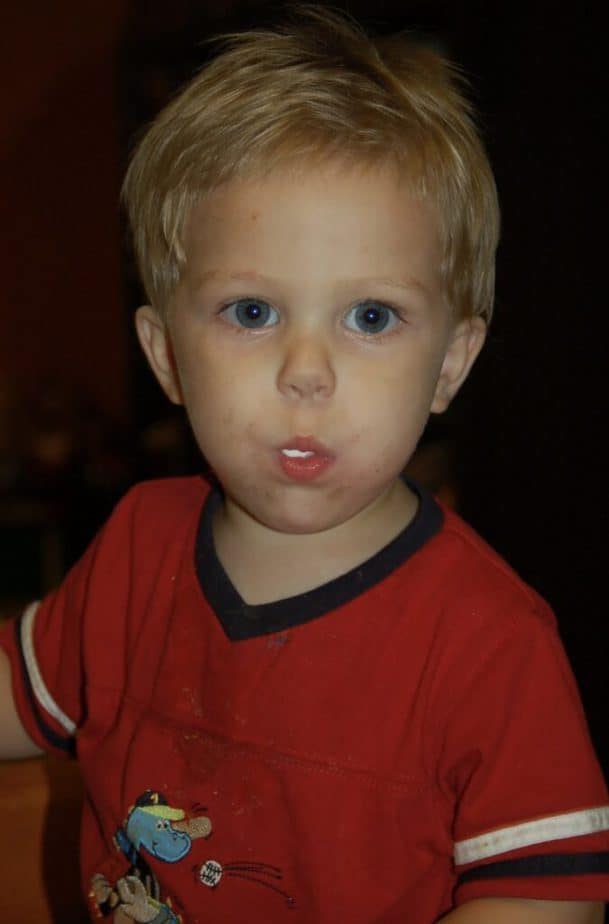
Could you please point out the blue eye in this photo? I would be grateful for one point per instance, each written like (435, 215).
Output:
(370, 317)
(250, 312)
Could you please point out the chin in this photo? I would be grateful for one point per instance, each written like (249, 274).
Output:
(294, 525)
(304, 518)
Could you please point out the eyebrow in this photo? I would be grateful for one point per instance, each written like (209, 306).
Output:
(407, 284)
(211, 275)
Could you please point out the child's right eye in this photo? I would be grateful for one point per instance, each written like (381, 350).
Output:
(253, 313)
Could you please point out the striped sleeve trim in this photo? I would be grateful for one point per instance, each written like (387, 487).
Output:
(37, 685)
(539, 865)
(551, 828)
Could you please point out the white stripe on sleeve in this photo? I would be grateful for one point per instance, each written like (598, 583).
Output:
(38, 685)
(551, 828)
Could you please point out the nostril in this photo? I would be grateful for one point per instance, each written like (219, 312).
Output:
(313, 382)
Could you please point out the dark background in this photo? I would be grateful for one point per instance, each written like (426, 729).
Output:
(80, 418)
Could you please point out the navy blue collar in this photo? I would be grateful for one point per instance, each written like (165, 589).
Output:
(241, 621)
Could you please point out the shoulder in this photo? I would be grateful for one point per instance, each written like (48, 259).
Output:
(152, 524)
(166, 497)
(483, 622)
(476, 580)
(127, 577)
(492, 638)
(154, 509)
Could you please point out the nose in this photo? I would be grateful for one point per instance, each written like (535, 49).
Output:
(306, 372)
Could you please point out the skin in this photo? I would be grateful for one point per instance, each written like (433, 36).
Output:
(519, 911)
(15, 743)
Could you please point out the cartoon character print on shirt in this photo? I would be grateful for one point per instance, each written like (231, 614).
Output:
(156, 829)
(161, 831)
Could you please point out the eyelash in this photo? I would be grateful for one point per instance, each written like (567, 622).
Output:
(229, 310)
(232, 307)
(370, 304)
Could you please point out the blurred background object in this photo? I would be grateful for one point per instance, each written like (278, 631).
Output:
(519, 454)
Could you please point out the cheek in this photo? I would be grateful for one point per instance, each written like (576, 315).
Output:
(222, 413)
(207, 385)
(390, 413)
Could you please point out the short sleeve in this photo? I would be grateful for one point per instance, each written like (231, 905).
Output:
(532, 813)
(44, 646)
(68, 654)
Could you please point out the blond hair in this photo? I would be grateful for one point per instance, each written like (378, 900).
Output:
(315, 88)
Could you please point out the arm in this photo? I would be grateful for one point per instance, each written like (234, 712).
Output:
(522, 911)
(14, 742)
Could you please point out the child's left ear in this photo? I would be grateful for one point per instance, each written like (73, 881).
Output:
(465, 343)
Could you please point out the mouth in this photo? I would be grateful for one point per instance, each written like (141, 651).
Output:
(304, 459)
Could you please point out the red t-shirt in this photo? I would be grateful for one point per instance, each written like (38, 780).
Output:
(383, 748)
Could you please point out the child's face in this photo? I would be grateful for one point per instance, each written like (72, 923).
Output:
(310, 319)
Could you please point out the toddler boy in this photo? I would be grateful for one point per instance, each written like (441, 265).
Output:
(300, 689)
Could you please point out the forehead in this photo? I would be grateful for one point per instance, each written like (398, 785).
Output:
(332, 222)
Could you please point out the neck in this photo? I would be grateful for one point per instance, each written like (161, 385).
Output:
(266, 565)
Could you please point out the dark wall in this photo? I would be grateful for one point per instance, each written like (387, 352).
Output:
(61, 299)
(532, 465)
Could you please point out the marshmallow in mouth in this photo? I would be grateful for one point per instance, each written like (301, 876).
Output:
(297, 454)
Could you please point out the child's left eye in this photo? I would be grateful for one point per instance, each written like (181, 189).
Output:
(252, 313)
(370, 317)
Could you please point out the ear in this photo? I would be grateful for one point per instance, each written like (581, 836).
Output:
(155, 341)
(465, 343)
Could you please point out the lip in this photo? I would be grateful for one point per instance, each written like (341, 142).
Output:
(306, 444)
(309, 468)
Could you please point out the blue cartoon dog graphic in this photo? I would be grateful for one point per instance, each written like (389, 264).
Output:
(152, 828)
